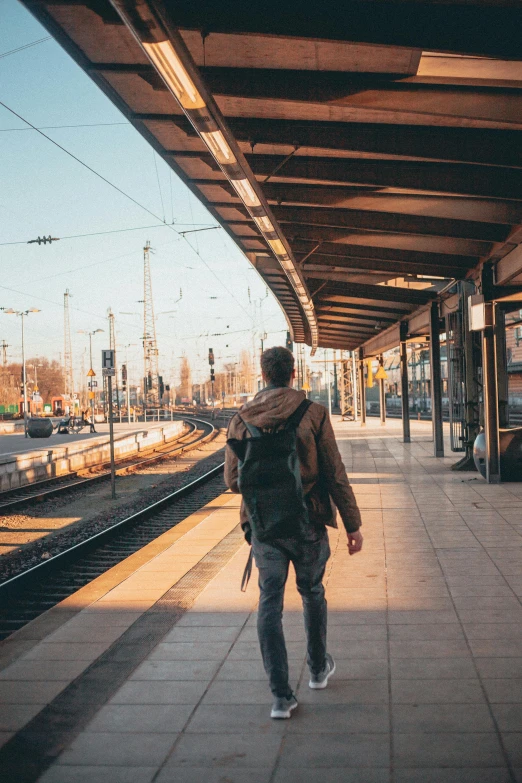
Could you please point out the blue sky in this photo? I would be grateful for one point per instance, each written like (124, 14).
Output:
(43, 191)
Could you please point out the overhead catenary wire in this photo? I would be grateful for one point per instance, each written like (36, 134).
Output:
(159, 184)
(128, 196)
(25, 46)
(60, 127)
(81, 162)
(114, 231)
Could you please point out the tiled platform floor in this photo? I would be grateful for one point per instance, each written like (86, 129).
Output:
(425, 625)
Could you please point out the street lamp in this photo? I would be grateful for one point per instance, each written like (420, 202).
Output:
(91, 371)
(22, 314)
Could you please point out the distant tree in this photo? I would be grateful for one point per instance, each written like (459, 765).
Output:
(49, 374)
(50, 377)
(246, 374)
(185, 379)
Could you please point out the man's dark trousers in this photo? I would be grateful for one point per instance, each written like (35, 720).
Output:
(272, 559)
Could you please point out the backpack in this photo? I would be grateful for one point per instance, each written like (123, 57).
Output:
(269, 478)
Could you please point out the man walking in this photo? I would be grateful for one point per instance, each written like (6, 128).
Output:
(321, 478)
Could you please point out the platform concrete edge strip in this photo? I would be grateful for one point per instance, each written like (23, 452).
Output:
(34, 748)
(36, 630)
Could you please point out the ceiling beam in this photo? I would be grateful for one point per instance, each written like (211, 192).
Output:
(330, 249)
(390, 222)
(344, 302)
(348, 332)
(342, 276)
(344, 314)
(493, 147)
(465, 28)
(418, 243)
(509, 267)
(316, 261)
(466, 180)
(341, 319)
(408, 296)
(347, 197)
(499, 103)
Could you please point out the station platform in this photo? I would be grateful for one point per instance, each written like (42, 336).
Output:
(26, 460)
(17, 443)
(152, 672)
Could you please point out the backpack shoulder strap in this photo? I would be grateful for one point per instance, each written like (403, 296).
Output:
(254, 432)
(295, 419)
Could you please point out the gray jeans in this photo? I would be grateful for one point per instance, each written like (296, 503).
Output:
(309, 558)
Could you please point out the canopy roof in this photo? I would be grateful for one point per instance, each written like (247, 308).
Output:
(383, 141)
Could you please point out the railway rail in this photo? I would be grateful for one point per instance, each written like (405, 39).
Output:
(48, 488)
(31, 592)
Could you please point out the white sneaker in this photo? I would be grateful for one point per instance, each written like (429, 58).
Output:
(283, 706)
(320, 681)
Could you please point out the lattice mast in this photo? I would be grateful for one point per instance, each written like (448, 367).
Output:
(68, 377)
(150, 346)
(4, 347)
(112, 346)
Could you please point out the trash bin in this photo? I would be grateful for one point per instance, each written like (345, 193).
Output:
(510, 454)
(39, 428)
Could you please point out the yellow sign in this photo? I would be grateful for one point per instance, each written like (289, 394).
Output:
(381, 374)
(91, 373)
(91, 395)
(305, 387)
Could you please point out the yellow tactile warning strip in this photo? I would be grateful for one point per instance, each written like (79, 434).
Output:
(22, 758)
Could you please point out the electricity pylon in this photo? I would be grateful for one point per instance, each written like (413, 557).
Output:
(150, 346)
(4, 347)
(68, 377)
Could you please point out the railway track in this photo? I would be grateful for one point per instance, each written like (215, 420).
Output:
(48, 488)
(32, 592)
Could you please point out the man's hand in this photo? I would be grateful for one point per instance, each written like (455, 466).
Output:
(355, 542)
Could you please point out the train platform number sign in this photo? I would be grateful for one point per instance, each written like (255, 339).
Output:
(108, 369)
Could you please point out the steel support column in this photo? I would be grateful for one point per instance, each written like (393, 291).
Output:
(382, 393)
(405, 402)
(436, 381)
(362, 388)
(354, 386)
(501, 360)
(491, 413)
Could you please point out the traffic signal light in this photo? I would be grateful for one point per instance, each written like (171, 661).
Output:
(289, 343)
(167, 387)
(212, 375)
(161, 386)
(210, 356)
(124, 376)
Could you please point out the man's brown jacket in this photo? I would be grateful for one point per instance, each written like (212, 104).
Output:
(322, 471)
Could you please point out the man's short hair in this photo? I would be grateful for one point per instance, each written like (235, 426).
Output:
(277, 365)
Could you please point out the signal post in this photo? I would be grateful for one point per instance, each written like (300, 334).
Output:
(109, 371)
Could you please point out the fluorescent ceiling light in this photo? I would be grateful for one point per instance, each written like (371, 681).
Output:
(218, 146)
(246, 192)
(264, 224)
(173, 72)
(278, 247)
